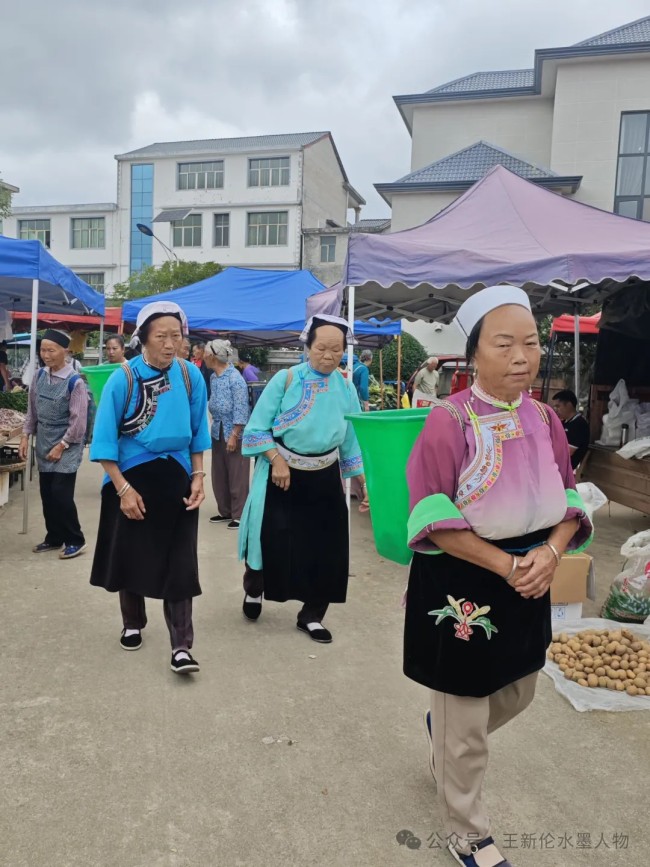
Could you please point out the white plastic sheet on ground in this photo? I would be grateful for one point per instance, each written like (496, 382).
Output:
(594, 698)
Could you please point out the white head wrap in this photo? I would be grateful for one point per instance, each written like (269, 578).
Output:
(221, 349)
(488, 299)
(160, 307)
(326, 319)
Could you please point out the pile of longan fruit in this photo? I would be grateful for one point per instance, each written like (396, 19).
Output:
(604, 658)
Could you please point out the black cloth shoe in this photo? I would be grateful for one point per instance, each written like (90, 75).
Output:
(252, 610)
(184, 664)
(217, 519)
(322, 635)
(42, 547)
(131, 642)
(233, 525)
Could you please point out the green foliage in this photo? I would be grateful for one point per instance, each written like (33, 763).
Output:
(257, 355)
(5, 202)
(413, 354)
(170, 275)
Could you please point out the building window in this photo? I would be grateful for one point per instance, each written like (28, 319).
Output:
(267, 229)
(221, 230)
(141, 212)
(273, 172)
(200, 176)
(187, 232)
(632, 197)
(94, 279)
(88, 234)
(35, 230)
(328, 248)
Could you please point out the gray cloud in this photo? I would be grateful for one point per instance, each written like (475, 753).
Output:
(91, 79)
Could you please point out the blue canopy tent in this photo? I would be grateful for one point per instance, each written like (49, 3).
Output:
(33, 280)
(254, 306)
(257, 305)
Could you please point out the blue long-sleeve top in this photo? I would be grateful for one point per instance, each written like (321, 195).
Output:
(361, 379)
(175, 426)
(228, 402)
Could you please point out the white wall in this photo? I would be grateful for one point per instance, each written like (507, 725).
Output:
(413, 209)
(323, 195)
(523, 126)
(327, 272)
(589, 99)
(103, 259)
(235, 198)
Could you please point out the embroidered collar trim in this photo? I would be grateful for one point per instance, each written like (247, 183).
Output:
(494, 401)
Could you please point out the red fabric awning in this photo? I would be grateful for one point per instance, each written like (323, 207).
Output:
(112, 320)
(566, 324)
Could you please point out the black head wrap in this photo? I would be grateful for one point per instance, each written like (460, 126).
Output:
(57, 337)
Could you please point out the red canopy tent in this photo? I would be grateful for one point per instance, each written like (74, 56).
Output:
(565, 324)
(112, 320)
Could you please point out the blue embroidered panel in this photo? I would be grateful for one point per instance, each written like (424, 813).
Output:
(310, 388)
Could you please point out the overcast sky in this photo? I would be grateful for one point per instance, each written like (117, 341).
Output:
(86, 79)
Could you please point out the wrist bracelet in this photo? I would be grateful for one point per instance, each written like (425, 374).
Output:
(515, 566)
(555, 551)
(123, 490)
(201, 473)
(276, 455)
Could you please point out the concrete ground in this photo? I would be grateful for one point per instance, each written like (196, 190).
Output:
(110, 760)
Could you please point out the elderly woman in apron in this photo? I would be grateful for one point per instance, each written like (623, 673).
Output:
(150, 435)
(493, 508)
(57, 415)
(294, 531)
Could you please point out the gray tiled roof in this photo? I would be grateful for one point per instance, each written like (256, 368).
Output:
(506, 79)
(628, 34)
(503, 79)
(243, 144)
(371, 223)
(471, 164)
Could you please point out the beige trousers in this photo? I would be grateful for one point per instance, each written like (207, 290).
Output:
(460, 726)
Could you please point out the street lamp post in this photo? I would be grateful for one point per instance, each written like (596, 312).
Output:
(145, 230)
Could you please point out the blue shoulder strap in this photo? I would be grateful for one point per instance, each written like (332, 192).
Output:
(72, 382)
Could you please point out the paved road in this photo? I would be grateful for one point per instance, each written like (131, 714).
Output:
(110, 760)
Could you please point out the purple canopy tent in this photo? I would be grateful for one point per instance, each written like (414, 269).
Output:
(504, 229)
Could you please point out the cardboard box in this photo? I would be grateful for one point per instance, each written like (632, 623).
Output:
(574, 581)
(565, 613)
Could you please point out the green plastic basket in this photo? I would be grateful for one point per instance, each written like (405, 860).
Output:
(97, 376)
(386, 439)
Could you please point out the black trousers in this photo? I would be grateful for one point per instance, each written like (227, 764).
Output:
(59, 510)
(178, 617)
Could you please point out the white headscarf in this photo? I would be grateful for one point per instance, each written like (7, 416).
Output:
(328, 320)
(223, 350)
(483, 302)
(160, 307)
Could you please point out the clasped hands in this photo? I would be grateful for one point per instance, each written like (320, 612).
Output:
(534, 573)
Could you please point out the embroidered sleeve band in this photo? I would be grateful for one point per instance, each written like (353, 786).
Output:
(256, 442)
(352, 466)
(436, 512)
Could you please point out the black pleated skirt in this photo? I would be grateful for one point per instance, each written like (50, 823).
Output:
(450, 646)
(305, 538)
(156, 557)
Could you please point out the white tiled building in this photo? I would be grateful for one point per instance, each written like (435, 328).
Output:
(577, 122)
(238, 201)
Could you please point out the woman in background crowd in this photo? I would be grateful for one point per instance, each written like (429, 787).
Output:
(228, 405)
(115, 349)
